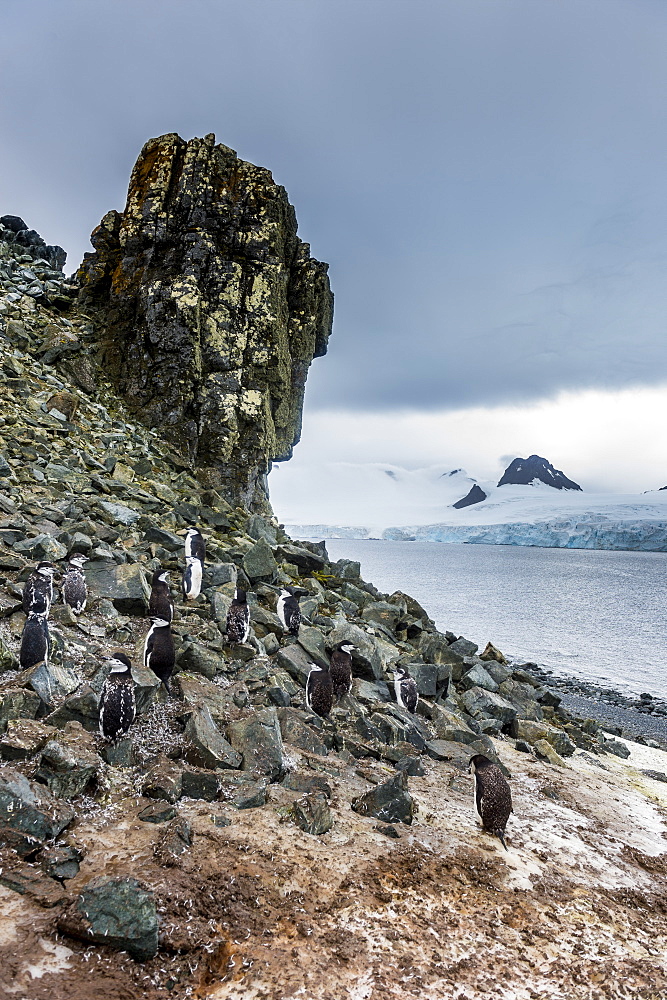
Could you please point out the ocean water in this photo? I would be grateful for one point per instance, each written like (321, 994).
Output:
(598, 615)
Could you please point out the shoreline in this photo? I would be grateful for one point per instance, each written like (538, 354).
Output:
(640, 719)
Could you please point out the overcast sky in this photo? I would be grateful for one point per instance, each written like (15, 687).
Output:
(486, 178)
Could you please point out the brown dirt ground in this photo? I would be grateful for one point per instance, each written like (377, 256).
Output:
(577, 908)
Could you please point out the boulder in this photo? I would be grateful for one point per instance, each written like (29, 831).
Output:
(198, 659)
(50, 681)
(545, 751)
(367, 661)
(451, 727)
(477, 676)
(163, 781)
(533, 731)
(41, 547)
(67, 765)
(390, 802)
(294, 730)
(312, 641)
(82, 707)
(117, 912)
(483, 704)
(198, 783)
(258, 740)
(296, 661)
(244, 794)
(29, 808)
(312, 814)
(522, 696)
(8, 661)
(491, 653)
(17, 703)
(259, 561)
(123, 584)
(24, 738)
(206, 745)
(298, 781)
(382, 613)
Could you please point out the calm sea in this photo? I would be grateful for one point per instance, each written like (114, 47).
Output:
(597, 615)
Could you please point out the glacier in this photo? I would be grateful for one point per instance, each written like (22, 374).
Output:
(388, 502)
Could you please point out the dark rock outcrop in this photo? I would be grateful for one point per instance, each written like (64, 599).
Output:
(475, 495)
(523, 471)
(209, 310)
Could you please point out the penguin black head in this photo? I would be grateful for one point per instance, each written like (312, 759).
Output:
(240, 596)
(160, 576)
(289, 591)
(402, 673)
(346, 646)
(478, 762)
(159, 623)
(77, 559)
(119, 663)
(46, 569)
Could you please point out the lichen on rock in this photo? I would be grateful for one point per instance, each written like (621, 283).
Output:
(209, 310)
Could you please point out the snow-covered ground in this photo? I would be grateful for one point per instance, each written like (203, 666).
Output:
(384, 501)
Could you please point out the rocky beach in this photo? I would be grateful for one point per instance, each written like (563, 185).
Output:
(234, 844)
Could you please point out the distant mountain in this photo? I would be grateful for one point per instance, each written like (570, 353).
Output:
(476, 495)
(524, 471)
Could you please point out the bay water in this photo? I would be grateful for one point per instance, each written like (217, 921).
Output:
(595, 614)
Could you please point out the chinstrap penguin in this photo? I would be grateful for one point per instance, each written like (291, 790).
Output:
(160, 604)
(319, 690)
(238, 618)
(35, 641)
(405, 687)
(159, 653)
(492, 795)
(38, 590)
(288, 611)
(341, 668)
(195, 555)
(74, 587)
(118, 706)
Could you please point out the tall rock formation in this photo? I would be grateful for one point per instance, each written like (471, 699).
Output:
(208, 310)
(523, 471)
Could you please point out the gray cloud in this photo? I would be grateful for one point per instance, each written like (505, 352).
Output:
(486, 180)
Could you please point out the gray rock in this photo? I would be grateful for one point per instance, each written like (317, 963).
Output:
(163, 781)
(60, 861)
(531, 731)
(219, 574)
(24, 738)
(117, 912)
(294, 730)
(41, 547)
(451, 727)
(259, 562)
(456, 754)
(259, 741)
(498, 671)
(196, 658)
(382, 613)
(477, 676)
(200, 784)
(50, 681)
(464, 646)
(67, 767)
(312, 640)
(196, 690)
(17, 703)
(124, 585)
(435, 649)
(258, 527)
(312, 814)
(174, 841)
(368, 692)
(616, 748)
(298, 781)
(8, 661)
(545, 751)
(390, 802)
(522, 696)
(82, 706)
(304, 559)
(412, 766)
(247, 795)
(167, 539)
(157, 812)
(30, 808)
(117, 513)
(485, 704)
(296, 661)
(207, 746)
(347, 569)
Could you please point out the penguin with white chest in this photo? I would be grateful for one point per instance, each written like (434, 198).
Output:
(195, 556)
(74, 588)
(38, 590)
(35, 640)
(288, 611)
(492, 795)
(341, 668)
(319, 690)
(160, 604)
(238, 618)
(407, 695)
(159, 652)
(118, 707)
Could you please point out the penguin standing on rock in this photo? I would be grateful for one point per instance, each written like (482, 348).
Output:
(160, 604)
(35, 640)
(319, 690)
(493, 798)
(341, 668)
(405, 687)
(195, 555)
(159, 652)
(238, 618)
(38, 590)
(288, 611)
(118, 706)
(74, 588)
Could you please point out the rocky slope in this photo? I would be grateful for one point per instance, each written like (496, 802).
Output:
(208, 310)
(523, 471)
(235, 844)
